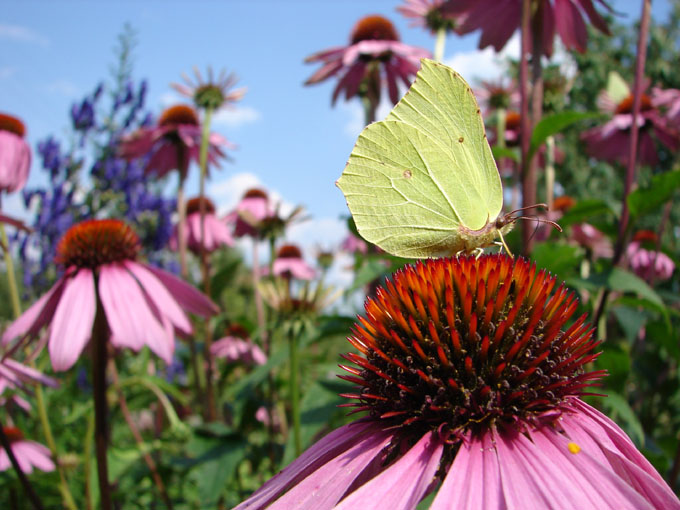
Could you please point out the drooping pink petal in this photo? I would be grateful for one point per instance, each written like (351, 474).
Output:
(186, 295)
(570, 25)
(71, 325)
(323, 451)
(402, 485)
(158, 293)
(556, 479)
(35, 454)
(473, 480)
(128, 313)
(322, 489)
(28, 374)
(40, 313)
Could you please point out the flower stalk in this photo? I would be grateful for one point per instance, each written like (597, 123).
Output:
(295, 390)
(211, 408)
(100, 333)
(440, 44)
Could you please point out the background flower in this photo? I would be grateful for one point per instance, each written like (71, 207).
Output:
(15, 154)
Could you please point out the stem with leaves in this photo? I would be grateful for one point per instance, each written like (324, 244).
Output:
(295, 389)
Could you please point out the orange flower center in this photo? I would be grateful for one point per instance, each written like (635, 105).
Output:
(643, 236)
(13, 434)
(468, 343)
(179, 114)
(194, 206)
(563, 203)
(238, 331)
(255, 193)
(93, 243)
(374, 28)
(512, 120)
(626, 106)
(289, 251)
(12, 124)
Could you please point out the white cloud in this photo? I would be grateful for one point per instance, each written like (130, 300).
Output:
(22, 34)
(236, 116)
(170, 98)
(6, 72)
(484, 64)
(63, 87)
(356, 122)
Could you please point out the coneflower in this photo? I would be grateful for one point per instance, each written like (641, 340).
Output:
(471, 376)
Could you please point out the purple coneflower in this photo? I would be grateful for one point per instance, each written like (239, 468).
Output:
(251, 211)
(15, 376)
(173, 142)
(143, 305)
(472, 380)
(237, 347)
(290, 264)
(611, 141)
(428, 14)
(210, 94)
(15, 154)
(648, 263)
(498, 20)
(217, 233)
(374, 54)
(29, 454)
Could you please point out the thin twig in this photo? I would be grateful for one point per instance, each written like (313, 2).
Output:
(158, 481)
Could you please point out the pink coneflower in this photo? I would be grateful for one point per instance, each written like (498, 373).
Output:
(428, 14)
(251, 211)
(15, 154)
(354, 244)
(290, 264)
(592, 240)
(173, 142)
(611, 141)
(498, 94)
(15, 376)
(498, 20)
(211, 93)
(373, 55)
(237, 347)
(648, 263)
(29, 454)
(472, 379)
(142, 304)
(217, 233)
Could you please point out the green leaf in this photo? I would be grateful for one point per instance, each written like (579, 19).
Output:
(556, 123)
(505, 152)
(617, 408)
(625, 281)
(317, 407)
(216, 462)
(423, 182)
(561, 259)
(631, 320)
(645, 200)
(585, 210)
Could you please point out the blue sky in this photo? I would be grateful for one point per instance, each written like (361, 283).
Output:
(289, 137)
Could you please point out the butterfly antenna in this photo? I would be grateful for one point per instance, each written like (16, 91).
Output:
(535, 206)
(553, 224)
(505, 245)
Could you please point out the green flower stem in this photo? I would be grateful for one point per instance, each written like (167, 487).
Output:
(549, 170)
(211, 408)
(11, 278)
(440, 44)
(28, 488)
(295, 390)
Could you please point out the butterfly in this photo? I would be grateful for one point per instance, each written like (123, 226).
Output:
(423, 182)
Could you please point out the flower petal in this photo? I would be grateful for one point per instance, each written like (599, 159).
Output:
(402, 485)
(321, 452)
(186, 295)
(323, 488)
(159, 295)
(71, 325)
(128, 314)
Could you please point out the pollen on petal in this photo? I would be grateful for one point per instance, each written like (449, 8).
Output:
(573, 448)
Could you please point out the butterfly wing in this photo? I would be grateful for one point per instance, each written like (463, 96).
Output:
(414, 179)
